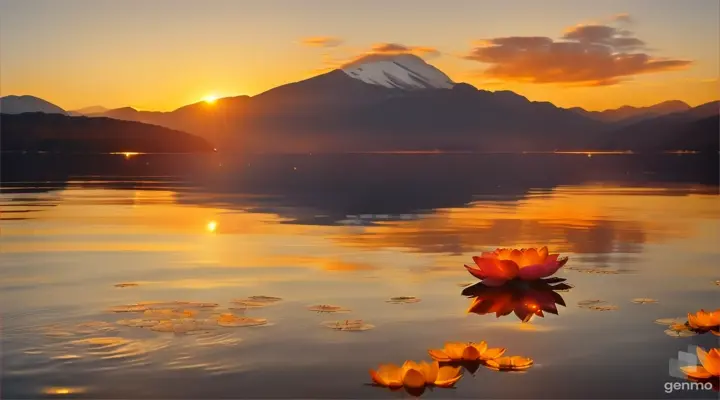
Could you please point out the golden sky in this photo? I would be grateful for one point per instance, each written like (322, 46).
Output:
(164, 54)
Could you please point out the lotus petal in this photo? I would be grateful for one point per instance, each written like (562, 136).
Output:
(710, 360)
(537, 271)
(447, 376)
(492, 353)
(387, 375)
(696, 372)
(439, 355)
(514, 363)
(412, 378)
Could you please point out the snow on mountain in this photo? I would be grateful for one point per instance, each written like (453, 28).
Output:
(23, 104)
(401, 71)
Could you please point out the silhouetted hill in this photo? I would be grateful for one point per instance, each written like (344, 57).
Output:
(23, 104)
(629, 114)
(695, 130)
(59, 133)
(334, 112)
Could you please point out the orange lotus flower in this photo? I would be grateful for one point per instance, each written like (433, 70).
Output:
(462, 352)
(414, 375)
(709, 368)
(525, 299)
(705, 321)
(497, 267)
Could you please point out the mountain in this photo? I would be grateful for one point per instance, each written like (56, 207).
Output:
(629, 114)
(89, 111)
(403, 71)
(65, 134)
(693, 130)
(23, 104)
(413, 107)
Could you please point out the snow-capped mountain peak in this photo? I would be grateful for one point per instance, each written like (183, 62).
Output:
(401, 71)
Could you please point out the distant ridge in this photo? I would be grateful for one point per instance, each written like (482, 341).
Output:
(629, 114)
(22, 104)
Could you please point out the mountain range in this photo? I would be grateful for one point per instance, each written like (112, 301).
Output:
(388, 103)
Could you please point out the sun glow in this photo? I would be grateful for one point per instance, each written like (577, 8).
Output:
(210, 99)
(211, 226)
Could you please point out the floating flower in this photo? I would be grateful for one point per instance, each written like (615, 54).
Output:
(460, 352)
(703, 321)
(525, 299)
(709, 368)
(414, 375)
(502, 265)
(514, 363)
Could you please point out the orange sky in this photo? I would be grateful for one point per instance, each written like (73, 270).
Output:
(164, 54)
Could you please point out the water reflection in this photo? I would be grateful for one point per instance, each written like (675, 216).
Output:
(346, 235)
(525, 299)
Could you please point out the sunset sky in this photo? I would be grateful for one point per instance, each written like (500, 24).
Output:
(163, 54)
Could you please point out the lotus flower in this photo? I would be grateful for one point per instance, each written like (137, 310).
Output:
(416, 376)
(457, 352)
(502, 265)
(525, 299)
(710, 365)
(704, 321)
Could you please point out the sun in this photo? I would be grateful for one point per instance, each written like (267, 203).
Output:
(210, 99)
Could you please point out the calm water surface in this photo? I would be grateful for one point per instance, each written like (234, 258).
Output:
(351, 231)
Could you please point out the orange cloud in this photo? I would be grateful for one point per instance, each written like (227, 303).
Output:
(586, 55)
(381, 51)
(322, 41)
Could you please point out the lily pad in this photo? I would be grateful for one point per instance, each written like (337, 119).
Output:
(233, 321)
(356, 325)
(670, 321)
(643, 300)
(679, 334)
(256, 301)
(129, 308)
(403, 300)
(125, 284)
(597, 305)
(326, 308)
(139, 322)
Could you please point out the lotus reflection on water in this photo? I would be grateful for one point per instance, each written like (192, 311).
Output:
(502, 265)
(525, 299)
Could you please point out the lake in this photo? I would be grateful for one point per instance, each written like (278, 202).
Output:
(88, 241)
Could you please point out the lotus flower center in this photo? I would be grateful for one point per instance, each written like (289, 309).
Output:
(414, 379)
(470, 353)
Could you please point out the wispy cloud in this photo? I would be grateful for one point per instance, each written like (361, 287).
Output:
(322, 41)
(586, 55)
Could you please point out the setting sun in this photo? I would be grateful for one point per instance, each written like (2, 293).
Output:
(210, 99)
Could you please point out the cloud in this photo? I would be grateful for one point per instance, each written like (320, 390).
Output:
(384, 51)
(322, 41)
(623, 18)
(586, 55)
(396, 48)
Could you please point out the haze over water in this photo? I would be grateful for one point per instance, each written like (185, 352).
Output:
(352, 231)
